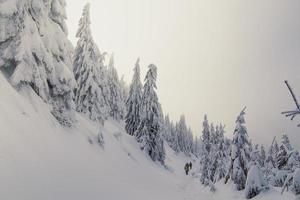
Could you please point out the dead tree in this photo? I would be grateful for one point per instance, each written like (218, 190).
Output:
(292, 114)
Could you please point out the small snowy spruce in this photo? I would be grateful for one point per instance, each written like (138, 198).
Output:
(240, 155)
(100, 139)
(255, 183)
(133, 103)
(204, 158)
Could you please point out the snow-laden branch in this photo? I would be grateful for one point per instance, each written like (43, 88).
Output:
(292, 114)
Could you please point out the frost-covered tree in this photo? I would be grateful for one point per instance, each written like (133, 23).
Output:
(148, 133)
(197, 146)
(205, 174)
(115, 99)
(270, 169)
(167, 129)
(88, 71)
(190, 141)
(262, 155)
(255, 183)
(283, 154)
(124, 89)
(205, 153)
(206, 135)
(240, 154)
(133, 103)
(35, 52)
(213, 137)
(182, 134)
(174, 139)
(219, 155)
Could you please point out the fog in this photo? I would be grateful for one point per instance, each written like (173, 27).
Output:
(213, 57)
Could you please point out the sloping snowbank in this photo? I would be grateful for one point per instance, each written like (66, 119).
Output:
(41, 160)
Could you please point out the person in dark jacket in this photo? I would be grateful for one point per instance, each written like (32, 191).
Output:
(187, 168)
(191, 166)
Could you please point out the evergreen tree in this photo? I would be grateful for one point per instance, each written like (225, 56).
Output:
(240, 154)
(205, 175)
(174, 139)
(270, 164)
(115, 100)
(206, 148)
(255, 183)
(167, 129)
(190, 141)
(262, 155)
(148, 132)
(206, 135)
(133, 103)
(182, 130)
(197, 147)
(35, 52)
(124, 89)
(282, 155)
(220, 155)
(89, 96)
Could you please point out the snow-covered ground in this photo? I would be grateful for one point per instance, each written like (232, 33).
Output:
(40, 160)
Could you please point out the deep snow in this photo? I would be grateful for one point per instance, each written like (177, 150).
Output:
(41, 160)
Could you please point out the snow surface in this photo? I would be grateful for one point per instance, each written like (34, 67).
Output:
(41, 160)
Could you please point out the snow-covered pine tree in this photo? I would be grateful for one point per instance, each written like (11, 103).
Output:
(240, 154)
(167, 129)
(88, 71)
(206, 135)
(148, 132)
(133, 103)
(220, 154)
(282, 155)
(255, 183)
(205, 174)
(35, 52)
(270, 169)
(197, 146)
(262, 155)
(190, 141)
(206, 149)
(276, 147)
(174, 139)
(182, 130)
(213, 137)
(115, 99)
(124, 89)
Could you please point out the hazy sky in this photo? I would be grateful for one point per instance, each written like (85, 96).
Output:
(213, 56)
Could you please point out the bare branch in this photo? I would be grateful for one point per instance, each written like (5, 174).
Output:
(294, 113)
(292, 93)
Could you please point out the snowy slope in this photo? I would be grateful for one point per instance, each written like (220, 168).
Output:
(41, 160)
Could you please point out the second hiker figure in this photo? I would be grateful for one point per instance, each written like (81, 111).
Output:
(187, 168)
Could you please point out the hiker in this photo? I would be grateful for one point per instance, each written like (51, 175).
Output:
(191, 165)
(186, 168)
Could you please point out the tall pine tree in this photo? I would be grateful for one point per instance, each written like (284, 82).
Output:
(115, 99)
(148, 132)
(134, 101)
(89, 97)
(240, 154)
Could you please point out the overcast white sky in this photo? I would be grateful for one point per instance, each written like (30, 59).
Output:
(213, 56)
